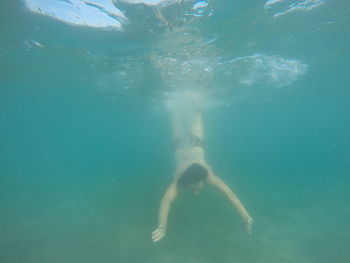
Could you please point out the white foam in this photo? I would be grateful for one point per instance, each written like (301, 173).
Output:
(269, 3)
(273, 71)
(282, 7)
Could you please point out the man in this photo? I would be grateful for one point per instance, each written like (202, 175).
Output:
(192, 171)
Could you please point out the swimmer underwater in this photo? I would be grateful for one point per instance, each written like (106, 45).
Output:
(192, 171)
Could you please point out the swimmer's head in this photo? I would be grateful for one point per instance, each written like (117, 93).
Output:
(193, 177)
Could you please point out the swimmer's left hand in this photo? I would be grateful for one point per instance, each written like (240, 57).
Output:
(248, 225)
(158, 234)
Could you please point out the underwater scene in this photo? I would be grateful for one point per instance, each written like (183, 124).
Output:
(174, 131)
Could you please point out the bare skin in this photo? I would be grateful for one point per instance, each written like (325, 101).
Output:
(172, 192)
(184, 158)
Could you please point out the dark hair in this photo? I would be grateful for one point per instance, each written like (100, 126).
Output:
(193, 175)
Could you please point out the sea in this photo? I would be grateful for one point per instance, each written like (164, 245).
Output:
(86, 148)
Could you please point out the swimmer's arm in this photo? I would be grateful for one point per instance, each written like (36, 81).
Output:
(158, 13)
(160, 16)
(232, 197)
(164, 209)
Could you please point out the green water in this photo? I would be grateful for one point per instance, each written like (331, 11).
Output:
(85, 142)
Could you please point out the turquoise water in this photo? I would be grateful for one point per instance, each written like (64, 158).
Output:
(85, 142)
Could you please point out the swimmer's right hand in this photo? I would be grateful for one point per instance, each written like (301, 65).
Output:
(158, 234)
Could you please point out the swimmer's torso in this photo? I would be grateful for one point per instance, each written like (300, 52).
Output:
(184, 157)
